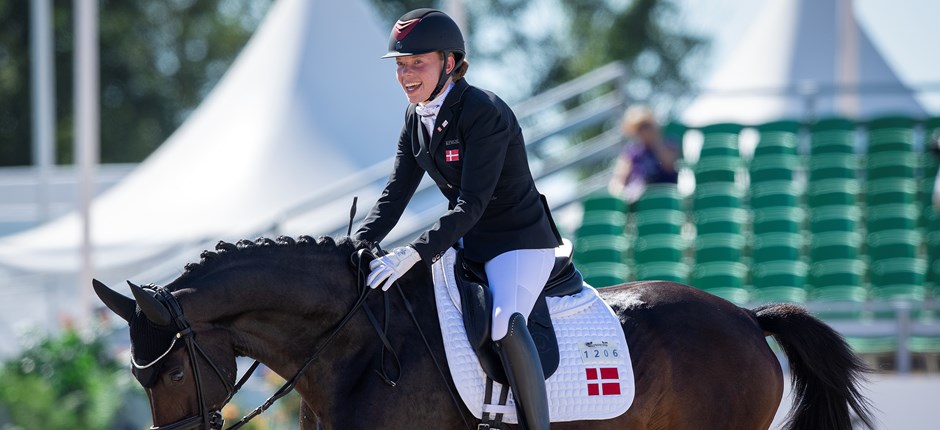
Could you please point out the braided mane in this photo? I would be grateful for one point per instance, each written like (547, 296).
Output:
(225, 252)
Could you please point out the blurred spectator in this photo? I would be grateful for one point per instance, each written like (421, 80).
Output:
(646, 157)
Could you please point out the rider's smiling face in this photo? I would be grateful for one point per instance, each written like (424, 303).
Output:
(419, 74)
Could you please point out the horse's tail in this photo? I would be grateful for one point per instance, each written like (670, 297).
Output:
(825, 372)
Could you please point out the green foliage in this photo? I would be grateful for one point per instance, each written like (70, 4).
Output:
(158, 59)
(64, 382)
(643, 34)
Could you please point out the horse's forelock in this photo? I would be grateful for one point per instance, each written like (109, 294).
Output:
(148, 342)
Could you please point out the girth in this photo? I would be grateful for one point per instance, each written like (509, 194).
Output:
(476, 302)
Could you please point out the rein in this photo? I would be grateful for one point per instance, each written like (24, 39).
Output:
(212, 420)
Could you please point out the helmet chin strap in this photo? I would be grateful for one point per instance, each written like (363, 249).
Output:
(442, 80)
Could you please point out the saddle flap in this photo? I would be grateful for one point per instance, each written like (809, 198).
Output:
(476, 302)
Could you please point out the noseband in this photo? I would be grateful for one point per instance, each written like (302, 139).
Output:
(206, 419)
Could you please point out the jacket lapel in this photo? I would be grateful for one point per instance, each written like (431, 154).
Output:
(445, 117)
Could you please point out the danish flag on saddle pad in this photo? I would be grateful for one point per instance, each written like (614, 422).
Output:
(603, 381)
(452, 155)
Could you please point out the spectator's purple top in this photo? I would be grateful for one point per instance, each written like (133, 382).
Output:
(646, 169)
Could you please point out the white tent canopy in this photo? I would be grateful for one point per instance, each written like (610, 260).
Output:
(307, 102)
(796, 62)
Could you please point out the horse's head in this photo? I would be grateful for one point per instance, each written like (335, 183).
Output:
(188, 382)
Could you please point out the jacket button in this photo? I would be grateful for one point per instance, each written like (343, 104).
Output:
(450, 186)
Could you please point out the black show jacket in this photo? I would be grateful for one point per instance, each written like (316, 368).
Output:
(477, 157)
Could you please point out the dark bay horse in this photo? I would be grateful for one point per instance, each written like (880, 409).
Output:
(700, 362)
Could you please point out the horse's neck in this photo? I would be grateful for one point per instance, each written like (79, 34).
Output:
(273, 314)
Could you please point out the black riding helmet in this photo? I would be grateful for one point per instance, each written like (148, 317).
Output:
(427, 30)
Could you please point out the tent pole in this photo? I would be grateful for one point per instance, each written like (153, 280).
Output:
(43, 97)
(847, 60)
(86, 140)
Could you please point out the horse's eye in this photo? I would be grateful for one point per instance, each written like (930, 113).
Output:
(176, 375)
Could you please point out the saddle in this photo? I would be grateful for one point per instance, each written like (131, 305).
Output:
(476, 302)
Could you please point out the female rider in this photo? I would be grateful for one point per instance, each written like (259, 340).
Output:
(467, 139)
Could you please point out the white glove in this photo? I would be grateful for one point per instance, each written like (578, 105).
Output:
(390, 267)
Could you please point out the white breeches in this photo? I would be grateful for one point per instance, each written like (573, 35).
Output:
(516, 279)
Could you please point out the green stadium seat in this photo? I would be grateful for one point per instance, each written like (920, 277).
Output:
(838, 281)
(833, 124)
(780, 281)
(660, 196)
(933, 256)
(872, 345)
(898, 278)
(709, 196)
(891, 165)
(775, 143)
(774, 193)
(588, 230)
(661, 247)
(890, 121)
(778, 219)
(833, 166)
(887, 244)
(925, 198)
(725, 127)
(717, 169)
(602, 222)
(892, 217)
(604, 202)
(890, 191)
(832, 136)
(787, 126)
(890, 139)
(773, 167)
(777, 246)
(719, 145)
(834, 218)
(604, 274)
(777, 137)
(831, 192)
(663, 271)
(724, 279)
(659, 221)
(720, 220)
(718, 247)
(591, 243)
(836, 245)
(924, 344)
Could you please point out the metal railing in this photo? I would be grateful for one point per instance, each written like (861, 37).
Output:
(550, 118)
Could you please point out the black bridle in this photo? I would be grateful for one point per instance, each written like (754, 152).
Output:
(212, 419)
(206, 419)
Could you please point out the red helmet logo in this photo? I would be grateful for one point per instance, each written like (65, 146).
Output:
(402, 28)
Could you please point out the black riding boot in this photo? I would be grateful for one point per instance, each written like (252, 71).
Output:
(524, 370)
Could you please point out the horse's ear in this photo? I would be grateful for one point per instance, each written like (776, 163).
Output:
(120, 304)
(151, 307)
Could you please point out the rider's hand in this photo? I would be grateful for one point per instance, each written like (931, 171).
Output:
(386, 269)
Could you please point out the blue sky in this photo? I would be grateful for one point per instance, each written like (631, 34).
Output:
(905, 31)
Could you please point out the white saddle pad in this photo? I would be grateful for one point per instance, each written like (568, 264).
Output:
(594, 380)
